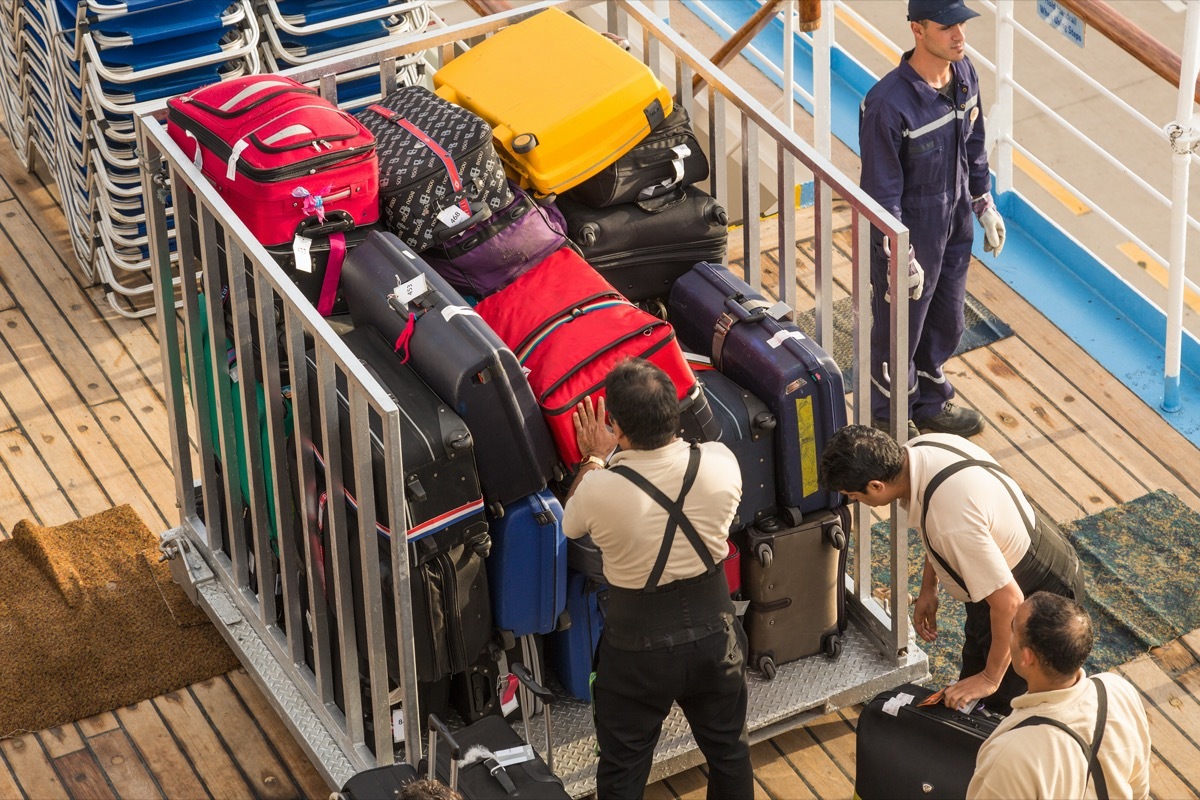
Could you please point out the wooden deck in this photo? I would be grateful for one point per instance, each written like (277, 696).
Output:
(83, 427)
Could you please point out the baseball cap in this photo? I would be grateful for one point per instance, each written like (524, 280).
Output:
(943, 12)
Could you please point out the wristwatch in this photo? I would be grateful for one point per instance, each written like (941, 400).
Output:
(597, 460)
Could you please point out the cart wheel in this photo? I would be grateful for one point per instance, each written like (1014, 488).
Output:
(523, 143)
(836, 537)
(765, 555)
(506, 640)
(832, 645)
(766, 665)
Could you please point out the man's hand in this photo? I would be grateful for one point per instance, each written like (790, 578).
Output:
(964, 694)
(993, 224)
(916, 274)
(591, 429)
(925, 615)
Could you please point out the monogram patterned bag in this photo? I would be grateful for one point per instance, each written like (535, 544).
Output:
(439, 172)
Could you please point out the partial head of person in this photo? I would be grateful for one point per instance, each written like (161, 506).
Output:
(642, 404)
(425, 789)
(864, 464)
(938, 27)
(1052, 637)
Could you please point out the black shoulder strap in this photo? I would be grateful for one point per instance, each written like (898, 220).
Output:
(940, 478)
(675, 516)
(1095, 770)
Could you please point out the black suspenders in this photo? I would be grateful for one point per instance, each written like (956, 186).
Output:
(941, 477)
(675, 516)
(1095, 770)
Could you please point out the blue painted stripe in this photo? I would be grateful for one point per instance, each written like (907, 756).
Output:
(1114, 322)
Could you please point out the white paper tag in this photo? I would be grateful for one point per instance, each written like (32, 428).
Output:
(450, 312)
(894, 704)
(410, 290)
(301, 246)
(450, 216)
(782, 336)
(514, 755)
(397, 725)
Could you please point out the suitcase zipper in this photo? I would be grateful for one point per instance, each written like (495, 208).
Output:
(645, 353)
(643, 255)
(224, 112)
(455, 644)
(553, 323)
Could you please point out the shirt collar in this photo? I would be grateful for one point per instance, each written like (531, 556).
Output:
(665, 452)
(926, 93)
(1069, 695)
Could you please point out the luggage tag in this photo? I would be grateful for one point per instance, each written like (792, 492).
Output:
(301, 251)
(933, 699)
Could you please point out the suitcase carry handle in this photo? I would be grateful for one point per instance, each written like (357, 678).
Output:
(438, 729)
(480, 212)
(541, 693)
(337, 221)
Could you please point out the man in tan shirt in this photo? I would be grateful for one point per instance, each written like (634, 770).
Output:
(1104, 750)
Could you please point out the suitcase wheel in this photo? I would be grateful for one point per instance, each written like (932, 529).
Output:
(564, 621)
(506, 640)
(832, 645)
(836, 537)
(766, 665)
(765, 554)
(523, 143)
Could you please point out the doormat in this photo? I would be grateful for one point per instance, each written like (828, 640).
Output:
(982, 328)
(90, 620)
(1142, 564)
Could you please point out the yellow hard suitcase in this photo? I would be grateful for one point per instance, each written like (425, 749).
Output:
(564, 101)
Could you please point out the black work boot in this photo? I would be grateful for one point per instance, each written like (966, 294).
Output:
(953, 419)
(885, 425)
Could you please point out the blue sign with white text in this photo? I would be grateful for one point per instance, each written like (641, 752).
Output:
(1063, 21)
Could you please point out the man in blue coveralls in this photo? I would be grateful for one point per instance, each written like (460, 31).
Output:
(923, 159)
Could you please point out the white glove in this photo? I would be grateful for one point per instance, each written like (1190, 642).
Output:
(993, 224)
(916, 275)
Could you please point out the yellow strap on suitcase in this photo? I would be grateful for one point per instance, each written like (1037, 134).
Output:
(564, 101)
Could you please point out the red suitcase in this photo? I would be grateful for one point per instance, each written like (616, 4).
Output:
(277, 152)
(568, 327)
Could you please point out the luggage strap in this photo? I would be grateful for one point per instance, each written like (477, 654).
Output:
(941, 477)
(333, 274)
(424, 138)
(757, 310)
(1094, 769)
(676, 519)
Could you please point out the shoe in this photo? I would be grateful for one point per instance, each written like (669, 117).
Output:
(953, 419)
(885, 425)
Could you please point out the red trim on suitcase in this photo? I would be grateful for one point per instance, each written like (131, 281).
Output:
(446, 159)
(333, 274)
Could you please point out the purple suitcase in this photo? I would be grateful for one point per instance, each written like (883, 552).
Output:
(492, 254)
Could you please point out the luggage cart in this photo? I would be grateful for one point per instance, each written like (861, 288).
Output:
(336, 700)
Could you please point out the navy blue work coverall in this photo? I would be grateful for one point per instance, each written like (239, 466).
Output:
(923, 159)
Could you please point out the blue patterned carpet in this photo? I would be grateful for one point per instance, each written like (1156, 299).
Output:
(1142, 561)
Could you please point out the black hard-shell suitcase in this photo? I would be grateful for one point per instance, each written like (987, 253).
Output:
(906, 752)
(794, 577)
(461, 358)
(746, 426)
(753, 341)
(438, 168)
(327, 243)
(471, 760)
(669, 157)
(642, 248)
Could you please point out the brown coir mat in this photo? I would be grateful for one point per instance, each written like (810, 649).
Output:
(90, 621)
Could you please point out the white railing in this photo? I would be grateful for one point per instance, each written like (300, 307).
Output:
(308, 633)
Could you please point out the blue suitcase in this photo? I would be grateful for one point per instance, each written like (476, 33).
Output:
(570, 653)
(527, 568)
(751, 340)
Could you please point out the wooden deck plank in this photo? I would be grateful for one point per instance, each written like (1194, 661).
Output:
(691, 784)
(298, 764)
(202, 745)
(159, 752)
(836, 737)
(61, 740)
(12, 500)
(822, 777)
(658, 791)
(244, 739)
(1173, 746)
(152, 490)
(31, 190)
(98, 723)
(775, 774)
(1168, 697)
(82, 776)
(48, 503)
(32, 767)
(1031, 366)
(119, 759)
(8, 785)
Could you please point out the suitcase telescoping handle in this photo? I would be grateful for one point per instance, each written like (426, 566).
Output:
(437, 729)
(541, 693)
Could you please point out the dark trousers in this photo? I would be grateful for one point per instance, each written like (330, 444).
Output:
(633, 693)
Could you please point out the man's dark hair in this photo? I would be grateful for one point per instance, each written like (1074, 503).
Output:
(643, 401)
(1058, 631)
(857, 455)
(425, 789)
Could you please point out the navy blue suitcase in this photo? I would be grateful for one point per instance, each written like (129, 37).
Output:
(717, 314)
(388, 286)
(745, 425)
(527, 568)
(570, 653)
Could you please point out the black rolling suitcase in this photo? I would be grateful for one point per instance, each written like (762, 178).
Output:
(488, 759)
(642, 248)
(745, 425)
(316, 255)
(905, 752)
(391, 288)
(718, 315)
(794, 577)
